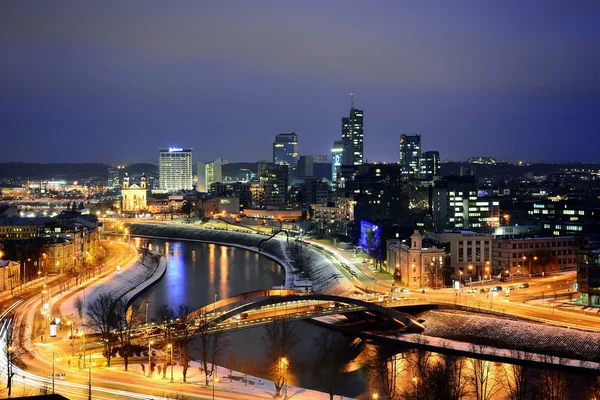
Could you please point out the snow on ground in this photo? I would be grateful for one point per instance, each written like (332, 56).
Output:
(512, 334)
(323, 275)
(239, 383)
(490, 350)
(131, 280)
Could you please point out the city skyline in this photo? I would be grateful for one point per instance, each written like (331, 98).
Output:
(106, 81)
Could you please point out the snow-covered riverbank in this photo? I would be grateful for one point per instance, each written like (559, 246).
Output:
(132, 279)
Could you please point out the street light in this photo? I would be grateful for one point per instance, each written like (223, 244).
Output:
(375, 396)
(170, 346)
(415, 380)
(72, 343)
(54, 358)
(283, 364)
(150, 343)
(215, 380)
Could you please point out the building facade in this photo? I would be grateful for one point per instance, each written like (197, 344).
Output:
(430, 165)
(113, 178)
(353, 135)
(337, 158)
(175, 169)
(10, 274)
(469, 253)
(410, 155)
(588, 276)
(416, 267)
(285, 150)
(536, 255)
(305, 166)
(134, 196)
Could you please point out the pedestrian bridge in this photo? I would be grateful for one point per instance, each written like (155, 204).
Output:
(262, 307)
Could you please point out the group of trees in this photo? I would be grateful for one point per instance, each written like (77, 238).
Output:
(300, 257)
(422, 375)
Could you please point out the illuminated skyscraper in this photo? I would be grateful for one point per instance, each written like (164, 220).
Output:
(430, 165)
(410, 155)
(352, 134)
(175, 169)
(337, 157)
(285, 150)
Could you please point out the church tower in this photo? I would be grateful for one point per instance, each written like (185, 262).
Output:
(126, 181)
(416, 240)
(143, 182)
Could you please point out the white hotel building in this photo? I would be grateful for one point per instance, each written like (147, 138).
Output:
(175, 169)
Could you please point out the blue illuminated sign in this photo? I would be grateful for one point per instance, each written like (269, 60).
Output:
(172, 149)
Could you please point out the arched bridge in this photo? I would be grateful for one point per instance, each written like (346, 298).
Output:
(298, 306)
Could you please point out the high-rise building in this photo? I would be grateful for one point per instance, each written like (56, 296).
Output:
(209, 174)
(201, 174)
(337, 158)
(410, 155)
(352, 134)
(113, 178)
(274, 181)
(285, 149)
(175, 169)
(430, 165)
(305, 166)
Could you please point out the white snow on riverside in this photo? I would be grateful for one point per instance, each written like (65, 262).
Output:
(131, 280)
(513, 334)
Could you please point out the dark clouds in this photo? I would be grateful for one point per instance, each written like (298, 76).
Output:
(117, 80)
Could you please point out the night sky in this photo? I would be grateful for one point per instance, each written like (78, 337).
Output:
(114, 81)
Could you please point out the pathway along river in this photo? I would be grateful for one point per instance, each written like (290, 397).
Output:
(196, 271)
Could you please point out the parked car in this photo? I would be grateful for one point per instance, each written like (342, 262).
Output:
(62, 376)
(497, 289)
(503, 279)
(472, 290)
(523, 285)
(405, 290)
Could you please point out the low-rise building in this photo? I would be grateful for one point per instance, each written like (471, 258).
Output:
(588, 276)
(10, 274)
(215, 206)
(535, 255)
(470, 253)
(416, 266)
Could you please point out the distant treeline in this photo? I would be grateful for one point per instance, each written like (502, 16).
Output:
(505, 169)
(67, 171)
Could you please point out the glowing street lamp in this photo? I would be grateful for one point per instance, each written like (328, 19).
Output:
(215, 380)
(170, 346)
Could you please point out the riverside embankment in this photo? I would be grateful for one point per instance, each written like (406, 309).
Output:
(324, 277)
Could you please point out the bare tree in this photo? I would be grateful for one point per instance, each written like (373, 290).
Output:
(102, 318)
(184, 338)
(485, 385)
(12, 351)
(279, 341)
(445, 378)
(384, 371)
(166, 316)
(552, 381)
(518, 382)
(172, 396)
(299, 256)
(80, 308)
(125, 317)
(330, 354)
(212, 344)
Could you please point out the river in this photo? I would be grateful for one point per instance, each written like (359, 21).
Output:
(197, 271)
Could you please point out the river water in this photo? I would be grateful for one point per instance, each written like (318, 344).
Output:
(197, 271)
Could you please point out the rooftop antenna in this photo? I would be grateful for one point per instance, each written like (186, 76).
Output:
(352, 100)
